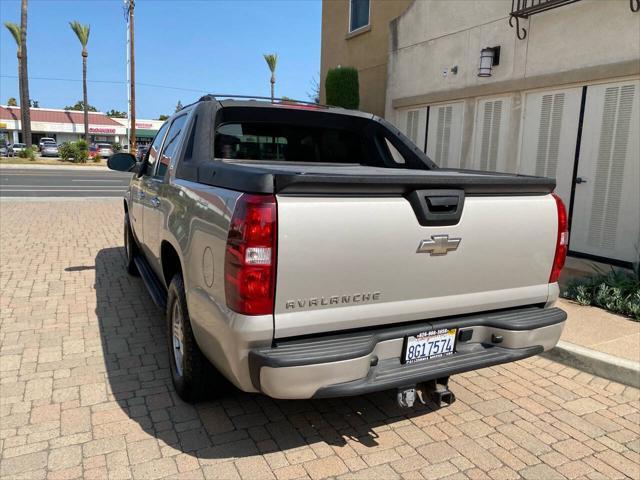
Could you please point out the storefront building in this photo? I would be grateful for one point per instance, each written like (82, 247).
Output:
(145, 129)
(68, 126)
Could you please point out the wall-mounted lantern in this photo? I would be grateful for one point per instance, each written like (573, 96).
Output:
(489, 58)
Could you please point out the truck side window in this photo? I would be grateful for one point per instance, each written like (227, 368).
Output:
(395, 154)
(169, 147)
(154, 149)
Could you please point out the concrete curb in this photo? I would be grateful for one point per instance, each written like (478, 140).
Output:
(13, 166)
(597, 363)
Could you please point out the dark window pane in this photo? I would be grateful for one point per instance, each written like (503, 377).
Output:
(170, 144)
(154, 150)
(288, 143)
(359, 14)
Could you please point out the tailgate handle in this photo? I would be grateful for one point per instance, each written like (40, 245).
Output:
(437, 207)
(438, 204)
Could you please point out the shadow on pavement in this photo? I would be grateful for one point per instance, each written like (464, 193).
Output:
(133, 339)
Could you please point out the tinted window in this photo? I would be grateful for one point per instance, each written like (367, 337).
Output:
(288, 142)
(359, 14)
(154, 150)
(170, 145)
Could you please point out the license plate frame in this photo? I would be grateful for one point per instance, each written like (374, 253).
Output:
(432, 337)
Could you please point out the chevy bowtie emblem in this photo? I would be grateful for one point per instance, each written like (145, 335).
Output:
(438, 245)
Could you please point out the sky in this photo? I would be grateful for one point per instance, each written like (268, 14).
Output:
(190, 47)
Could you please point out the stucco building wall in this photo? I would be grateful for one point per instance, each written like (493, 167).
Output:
(367, 50)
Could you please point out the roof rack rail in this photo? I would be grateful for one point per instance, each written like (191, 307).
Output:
(219, 96)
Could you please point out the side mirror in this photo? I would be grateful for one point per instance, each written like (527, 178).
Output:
(122, 162)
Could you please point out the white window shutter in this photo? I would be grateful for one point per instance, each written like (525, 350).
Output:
(490, 132)
(610, 165)
(548, 136)
(445, 135)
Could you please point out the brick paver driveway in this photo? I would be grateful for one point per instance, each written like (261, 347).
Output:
(86, 390)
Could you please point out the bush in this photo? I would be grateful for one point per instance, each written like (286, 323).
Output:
(342, 87)
(81, 153)
(29, 152)
(77, 152)
(616, 290)
(97, 158)
(116, 147)
(65, 151)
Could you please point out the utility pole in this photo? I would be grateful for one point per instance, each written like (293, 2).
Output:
(132, 80)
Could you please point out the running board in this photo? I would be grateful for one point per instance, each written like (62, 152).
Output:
(154, 286)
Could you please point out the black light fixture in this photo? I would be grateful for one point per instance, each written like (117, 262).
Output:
(489, 58)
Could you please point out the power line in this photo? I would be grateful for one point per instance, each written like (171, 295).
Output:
(117, 82)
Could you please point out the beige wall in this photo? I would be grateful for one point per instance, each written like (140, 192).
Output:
(586, 40)
(367, 51)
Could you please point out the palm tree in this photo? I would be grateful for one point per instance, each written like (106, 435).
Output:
(25, 120)
(272, 61)
(82, 32)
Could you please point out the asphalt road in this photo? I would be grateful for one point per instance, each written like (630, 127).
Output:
(62, 183)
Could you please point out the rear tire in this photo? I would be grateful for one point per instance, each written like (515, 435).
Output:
(130, 248)
(190, 371)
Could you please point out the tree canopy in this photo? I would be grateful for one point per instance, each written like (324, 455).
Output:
(79, 105)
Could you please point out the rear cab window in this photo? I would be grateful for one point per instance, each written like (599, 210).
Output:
(288, 143)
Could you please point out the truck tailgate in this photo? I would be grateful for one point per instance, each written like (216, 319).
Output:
(349, 262)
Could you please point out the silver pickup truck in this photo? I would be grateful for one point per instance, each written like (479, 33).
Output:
(304, 251)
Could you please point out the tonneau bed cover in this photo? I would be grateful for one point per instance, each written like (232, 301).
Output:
(297, 178)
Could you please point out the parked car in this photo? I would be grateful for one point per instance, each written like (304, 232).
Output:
(44, 140)
(141, 151)
(104, 149)
(313, 252)
(50, 149)
(15, 149)
(4, 150)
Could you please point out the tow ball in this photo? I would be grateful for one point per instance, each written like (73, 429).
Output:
(435, 390)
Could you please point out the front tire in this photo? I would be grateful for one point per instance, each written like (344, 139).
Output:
(189, 366)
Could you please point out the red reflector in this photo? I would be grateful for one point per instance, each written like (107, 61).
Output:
(250, 259)
(562, 240)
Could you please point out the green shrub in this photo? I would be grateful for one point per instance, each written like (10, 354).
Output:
(116, 147)
(616, 290)
(29, 152)
(97, 158)
(65, 151)
(342, 87)
(77, 152)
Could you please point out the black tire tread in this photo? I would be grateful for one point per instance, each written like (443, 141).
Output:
(192, 386)
(132, 269)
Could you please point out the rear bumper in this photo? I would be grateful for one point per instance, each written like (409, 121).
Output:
(353, 363)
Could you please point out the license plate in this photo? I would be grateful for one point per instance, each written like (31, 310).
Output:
(431, 344)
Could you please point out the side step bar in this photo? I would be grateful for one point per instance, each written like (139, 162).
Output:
(154, 286)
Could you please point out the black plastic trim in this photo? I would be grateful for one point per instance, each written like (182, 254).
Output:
(437, 207)
(350, 345)
(154, 285)
(392, 374)
(251, 177)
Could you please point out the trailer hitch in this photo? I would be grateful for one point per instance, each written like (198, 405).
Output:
(436, 391)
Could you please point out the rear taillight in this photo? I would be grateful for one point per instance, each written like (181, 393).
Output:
(562, 240)
(250, 259)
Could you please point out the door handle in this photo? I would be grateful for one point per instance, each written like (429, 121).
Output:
(155, 202)
(581, 180)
